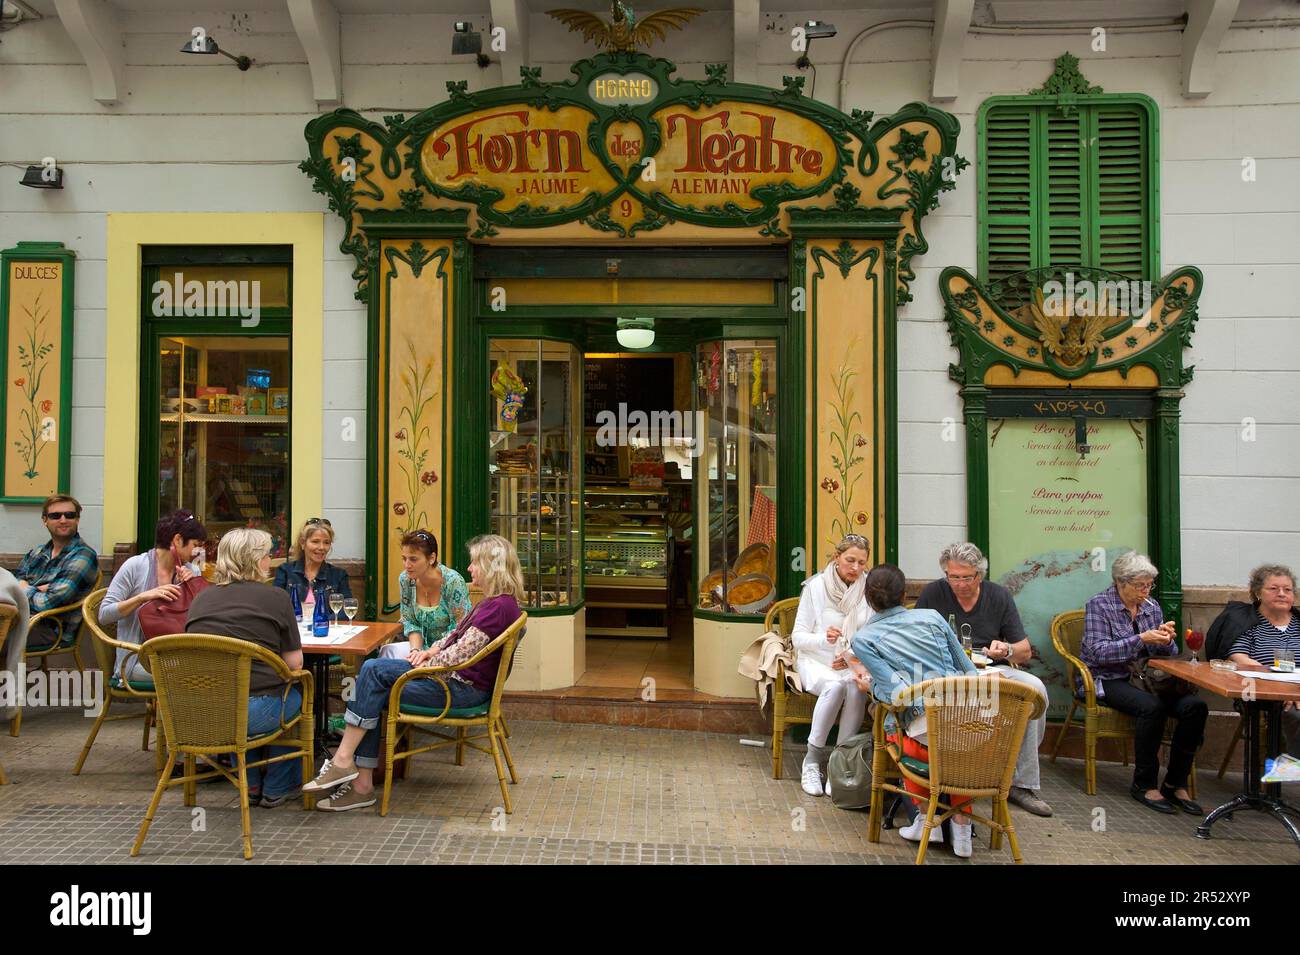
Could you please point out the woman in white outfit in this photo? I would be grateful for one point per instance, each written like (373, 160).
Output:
(832, 608)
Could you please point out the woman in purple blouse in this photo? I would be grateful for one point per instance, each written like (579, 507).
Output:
(1122, 624)
(494, 568)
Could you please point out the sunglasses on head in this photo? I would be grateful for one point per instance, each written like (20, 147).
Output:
(60, 515)
(319, 520)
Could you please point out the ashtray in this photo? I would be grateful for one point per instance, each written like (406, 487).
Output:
(1223, 665)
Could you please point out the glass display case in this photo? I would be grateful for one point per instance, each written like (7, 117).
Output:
(223, 440)
(533, 495)
(736, 493)
(628, 557)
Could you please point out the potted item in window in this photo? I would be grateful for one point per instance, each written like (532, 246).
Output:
(277, 401)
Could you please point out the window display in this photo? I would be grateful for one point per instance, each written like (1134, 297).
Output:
(735, 385)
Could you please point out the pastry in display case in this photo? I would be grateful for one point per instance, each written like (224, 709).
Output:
(628, 556)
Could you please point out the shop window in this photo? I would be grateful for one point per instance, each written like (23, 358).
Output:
(1068, 185)
(216, 438)
(736, 388)
(534, 500)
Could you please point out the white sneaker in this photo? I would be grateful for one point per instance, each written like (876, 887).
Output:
(812, 779)
(912, 833)
(828, 784)
(961, 841)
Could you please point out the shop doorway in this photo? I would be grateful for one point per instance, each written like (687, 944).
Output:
(638, 482)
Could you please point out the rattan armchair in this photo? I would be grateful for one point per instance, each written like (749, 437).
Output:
(117, 687)
(202, 684)
(975, 726)
(8, 614)
(1099, 720)
(404, 720)
(788, 708)
(57, 616)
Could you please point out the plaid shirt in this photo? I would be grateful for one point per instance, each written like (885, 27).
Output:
(70, 576)
(1109, 643)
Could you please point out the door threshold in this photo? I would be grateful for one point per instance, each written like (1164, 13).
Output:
(623, 706)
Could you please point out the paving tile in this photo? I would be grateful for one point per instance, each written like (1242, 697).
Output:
(588, 795)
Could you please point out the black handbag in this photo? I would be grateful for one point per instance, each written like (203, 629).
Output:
(1159, 683)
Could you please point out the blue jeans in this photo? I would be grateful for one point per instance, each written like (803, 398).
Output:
(376, 679)
(264, 717)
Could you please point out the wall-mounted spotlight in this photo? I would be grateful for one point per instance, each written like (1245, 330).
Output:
(466, 40)
(635, 332)
(206, 45)
(814, 30)
(48, 176)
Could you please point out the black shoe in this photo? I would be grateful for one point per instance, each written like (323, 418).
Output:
(1159, 805)
(1189, 806)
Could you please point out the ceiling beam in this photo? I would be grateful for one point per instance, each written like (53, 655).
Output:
(745, 17)
(951, 20)
(1207, 22)
(317, 24)
(512, 15)
(95, 28)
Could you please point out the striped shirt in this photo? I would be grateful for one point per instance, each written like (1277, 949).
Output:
(1263, 638)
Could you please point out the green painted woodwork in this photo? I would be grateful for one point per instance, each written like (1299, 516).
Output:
(1068, 175)
(1167, 327)
(41, 252)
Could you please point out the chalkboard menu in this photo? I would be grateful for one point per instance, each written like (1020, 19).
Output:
(643, 384)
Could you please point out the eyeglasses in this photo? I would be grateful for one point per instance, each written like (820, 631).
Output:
(319, 520)
(1267, 590)
(1136, 585)
(60, 515)
(422, 535)
(961, 580)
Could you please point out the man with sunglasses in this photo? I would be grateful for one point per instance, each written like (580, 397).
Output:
(58, 573)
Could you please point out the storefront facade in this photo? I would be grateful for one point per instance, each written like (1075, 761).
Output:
(847, 302)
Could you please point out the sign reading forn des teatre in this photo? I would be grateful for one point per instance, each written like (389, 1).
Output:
(36, 282)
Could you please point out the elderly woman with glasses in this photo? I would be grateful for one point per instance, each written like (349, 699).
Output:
(307, 567)
(1250, 633)
(963, 596)
(1123, 624)
(832, 608)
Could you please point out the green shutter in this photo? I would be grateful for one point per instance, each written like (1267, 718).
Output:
(1076, 189)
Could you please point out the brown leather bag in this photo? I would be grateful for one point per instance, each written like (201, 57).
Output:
(158, 618)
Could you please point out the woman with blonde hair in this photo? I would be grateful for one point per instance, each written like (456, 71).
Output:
(240, 605)
(832, 608)
(494, 569)
(308, 568)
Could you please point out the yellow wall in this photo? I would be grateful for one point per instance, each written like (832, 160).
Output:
(127, 232)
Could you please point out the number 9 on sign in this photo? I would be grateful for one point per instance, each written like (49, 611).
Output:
(625, 208)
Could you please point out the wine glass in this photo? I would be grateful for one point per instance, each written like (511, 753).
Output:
(351, 607)
(336, 604)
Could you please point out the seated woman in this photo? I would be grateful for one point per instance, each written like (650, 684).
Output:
(153, 575)
(1252, 632)
(494, 568)
(434, 598)
(832, 605)
(239, 605)
(308, 566)
(900, 648)
(1123, 624)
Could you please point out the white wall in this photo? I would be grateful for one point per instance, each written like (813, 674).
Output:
(197, 134)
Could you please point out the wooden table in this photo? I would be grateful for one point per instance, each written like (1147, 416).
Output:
(376, 634)
(1266, 697)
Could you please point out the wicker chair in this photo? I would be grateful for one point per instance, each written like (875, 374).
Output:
(202, 685)
(106, 645)
(973, 747)
(8, 614)
(788, 708)
(404, 720)
(1099, 720)
(56, 616)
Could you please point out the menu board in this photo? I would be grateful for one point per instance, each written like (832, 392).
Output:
(1057, 521)
(642, 384)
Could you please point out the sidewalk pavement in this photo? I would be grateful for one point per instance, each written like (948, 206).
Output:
(587, 794)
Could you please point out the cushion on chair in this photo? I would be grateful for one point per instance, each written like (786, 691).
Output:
(916, 766)
(140, 686)
(464, 713)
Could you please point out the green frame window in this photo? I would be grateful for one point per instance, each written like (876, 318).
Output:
(274, 321)
(1069, 181)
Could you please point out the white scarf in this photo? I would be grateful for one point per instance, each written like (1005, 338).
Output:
(848, 600)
